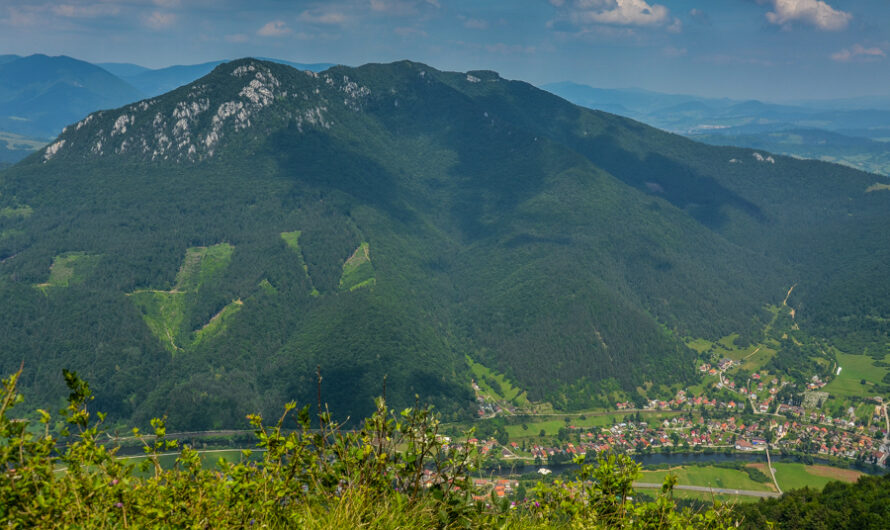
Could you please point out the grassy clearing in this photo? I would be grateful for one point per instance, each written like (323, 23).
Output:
(854, 370)
(707, 476)
(699, 345)
(267, 287)
(292, 239)
(293, 242)
(164, 311)
(201, 264)
(218, 323)
(710, 497)
(18, 212)
(496, 385)
(71, 268)
(752, 357)
(793, 476)
(593, 423)
(358, 271)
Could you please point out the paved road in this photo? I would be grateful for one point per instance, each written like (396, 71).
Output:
(772, 472)
(746, 493)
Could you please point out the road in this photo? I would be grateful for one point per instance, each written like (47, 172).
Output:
(885, 447)
(706, 489)
(772, 472)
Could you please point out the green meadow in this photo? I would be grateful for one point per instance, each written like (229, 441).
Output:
(71, 268)
(358, 271)
(165, 311)
(707, 476)
(854, 370)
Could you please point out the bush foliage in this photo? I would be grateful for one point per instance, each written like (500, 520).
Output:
(394, 471)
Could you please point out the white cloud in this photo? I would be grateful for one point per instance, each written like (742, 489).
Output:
(814, 12)
(858, 53)
(614, 12)
(276, 28)
(159, 20)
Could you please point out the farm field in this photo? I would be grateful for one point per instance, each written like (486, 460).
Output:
(793, 476)
(753, 357)
(716, 477)
(552, 424)
(703, 496)
(854, 370)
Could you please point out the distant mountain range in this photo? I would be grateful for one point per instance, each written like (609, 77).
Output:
(40, 94)
(854, 132)
(202, 252)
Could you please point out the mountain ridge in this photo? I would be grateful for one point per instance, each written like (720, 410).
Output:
(570, 249)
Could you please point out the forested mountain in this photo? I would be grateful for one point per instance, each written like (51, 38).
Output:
(202, 252)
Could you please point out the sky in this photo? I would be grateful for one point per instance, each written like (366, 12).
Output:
(773, 50)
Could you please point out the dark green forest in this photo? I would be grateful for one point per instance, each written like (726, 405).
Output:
(862, 505)
(560, 246)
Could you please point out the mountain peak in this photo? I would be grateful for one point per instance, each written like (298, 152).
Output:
(189, 123)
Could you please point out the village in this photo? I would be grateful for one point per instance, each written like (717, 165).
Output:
(749, 414)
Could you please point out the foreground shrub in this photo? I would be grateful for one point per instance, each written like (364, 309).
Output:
(396, 471)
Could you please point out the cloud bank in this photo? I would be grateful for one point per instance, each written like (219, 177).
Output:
(613, 12)
(858, 53)
(814, 12)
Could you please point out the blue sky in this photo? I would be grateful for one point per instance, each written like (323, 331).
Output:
(766, 49)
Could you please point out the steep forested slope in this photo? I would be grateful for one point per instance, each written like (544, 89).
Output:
(201, 252)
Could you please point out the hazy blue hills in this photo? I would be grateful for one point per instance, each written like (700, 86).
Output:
(200, 253)
(39, 94)
(851, 131)
(124, 69)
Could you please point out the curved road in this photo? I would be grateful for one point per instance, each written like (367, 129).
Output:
(746, 493)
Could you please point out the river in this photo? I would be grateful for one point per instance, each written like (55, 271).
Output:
(681, 459)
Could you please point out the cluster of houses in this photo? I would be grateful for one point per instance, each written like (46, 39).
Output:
(821, 440)
(501, 487)
(815, 383)
(859, 443)
(485, 407)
